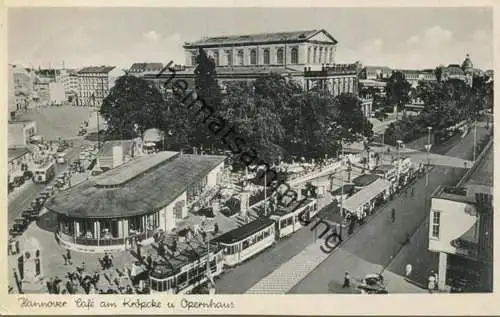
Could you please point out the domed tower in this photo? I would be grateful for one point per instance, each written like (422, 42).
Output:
(468, 69)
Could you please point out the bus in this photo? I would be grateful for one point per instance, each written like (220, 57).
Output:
(44, 173)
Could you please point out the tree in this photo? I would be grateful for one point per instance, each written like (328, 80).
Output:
(207, 89)
(398, 91)
(132, 107)
(308, 140)
(439, 72)
(351, 118)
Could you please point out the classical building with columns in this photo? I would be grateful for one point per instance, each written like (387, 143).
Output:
(308, 57)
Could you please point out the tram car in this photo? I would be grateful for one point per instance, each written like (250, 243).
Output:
(244, 242)
(293, 217)
(187, 270)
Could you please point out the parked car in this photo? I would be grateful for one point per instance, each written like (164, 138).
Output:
(28, 175)
(20, 225)
(31, 214)
(61, 158)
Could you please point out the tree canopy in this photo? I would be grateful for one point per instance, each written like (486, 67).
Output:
(132, 106)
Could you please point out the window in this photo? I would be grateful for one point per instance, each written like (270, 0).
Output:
(216, 58)
(283, 223)
(436, 221)
(178, 210)
(246, 244)
(241, 57)
(229, 58)
(279, 56)
(253, 57)
(267, 59)
(308, 55)
(295, 56)
(193, 59)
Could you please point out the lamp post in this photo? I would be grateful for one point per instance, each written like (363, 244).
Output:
(341, 189)
(429, 144)
(475, 131)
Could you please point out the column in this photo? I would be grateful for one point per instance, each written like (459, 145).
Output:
(97, 229)
(77, 228)
(443, 265)
(125, 227)
(120, 228)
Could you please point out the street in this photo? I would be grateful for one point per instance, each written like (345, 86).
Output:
(381, 241)
(377, 243)
(23, 200)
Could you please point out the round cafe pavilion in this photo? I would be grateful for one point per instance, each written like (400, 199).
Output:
(133, 201)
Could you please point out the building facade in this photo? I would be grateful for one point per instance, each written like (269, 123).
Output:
(301, 48)
(20, 132)
(375, 72)
(94, 84)
(414, 76)
(461, 231)
(307, 57)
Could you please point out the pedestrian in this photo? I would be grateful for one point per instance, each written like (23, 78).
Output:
(408, 270)
(393, 215)
(50, 285)
(431, 282)
(37, 267)
(347, 280)
(149, 261)
(139, 250)
(412, 191)
(68, 256)
(20, 267)
(436, 277)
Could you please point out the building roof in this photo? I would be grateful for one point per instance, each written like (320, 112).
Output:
(138, 187)
(96, 69)
(364, 180)
(384, 168)
(375, 69)
(244, 231)
(145, 67)
(454, 69)
(366, 194)
(107, 147)
(483, 175)
(15, 153)
(348, 189)
(280, 37)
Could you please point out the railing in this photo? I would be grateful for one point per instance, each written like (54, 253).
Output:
(104, 241)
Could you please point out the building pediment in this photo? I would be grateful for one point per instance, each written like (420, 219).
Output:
(322, 36)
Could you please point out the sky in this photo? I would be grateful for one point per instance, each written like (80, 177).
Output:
(394, 37)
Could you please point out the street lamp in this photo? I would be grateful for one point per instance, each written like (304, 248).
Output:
(474, 154)
(341, 189)
(429, 144)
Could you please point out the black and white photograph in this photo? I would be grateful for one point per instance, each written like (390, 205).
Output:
(249, 150)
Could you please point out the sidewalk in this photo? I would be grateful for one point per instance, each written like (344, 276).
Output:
(290, 273)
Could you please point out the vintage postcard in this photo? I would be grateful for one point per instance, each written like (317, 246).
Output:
(205, 158)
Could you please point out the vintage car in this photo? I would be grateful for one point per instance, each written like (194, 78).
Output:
(19, 226)
(373, 283)
(31, 214)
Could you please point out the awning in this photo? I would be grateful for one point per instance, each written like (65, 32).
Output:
(366, 194)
